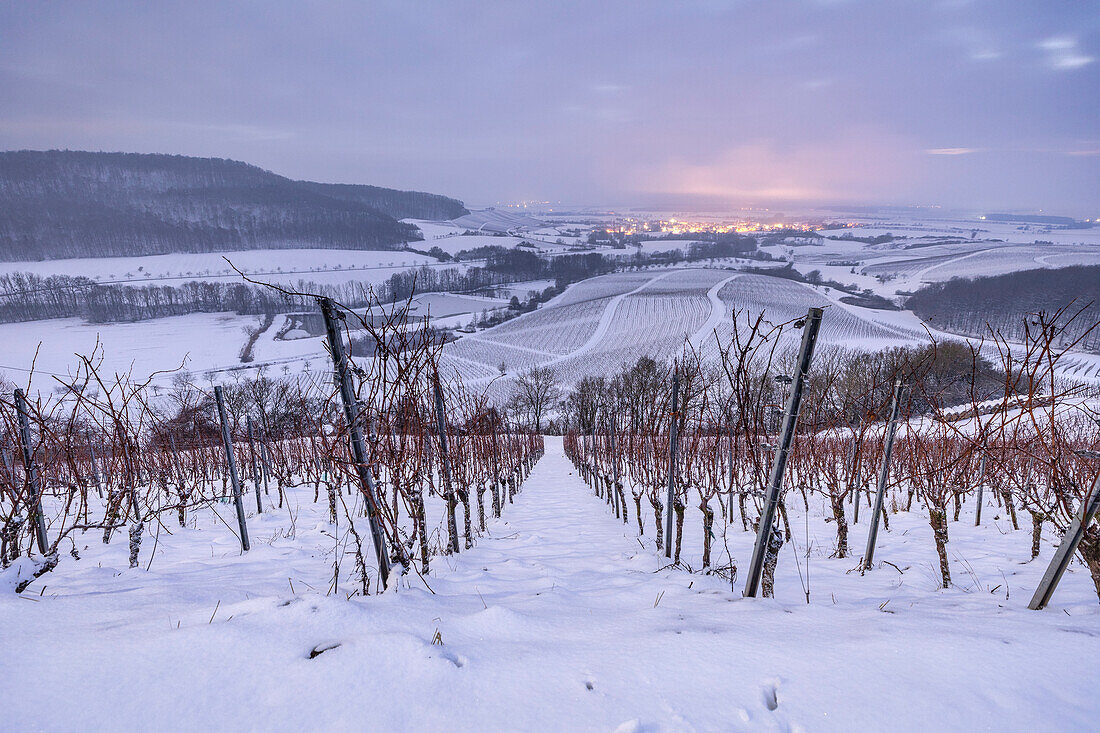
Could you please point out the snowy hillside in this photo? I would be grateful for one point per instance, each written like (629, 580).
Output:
(66, 204)
(600, 324)
(622, 641)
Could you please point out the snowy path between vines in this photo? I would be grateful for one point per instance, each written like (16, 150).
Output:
(559, 619)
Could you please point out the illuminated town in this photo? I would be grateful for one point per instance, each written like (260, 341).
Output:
(677, 226)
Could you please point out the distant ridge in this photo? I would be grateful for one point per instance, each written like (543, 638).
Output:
(494, 220)
(60, 204)
(1064, 221)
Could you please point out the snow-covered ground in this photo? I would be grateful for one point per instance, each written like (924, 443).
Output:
(649, 312)
(658, 245)
(600, 324)
(452, 237)
(198, 342)
(935, 250)
(459, 243)
(266, 265)
(968, 247)
(1020, 233)
(498, 220)
(561, 618)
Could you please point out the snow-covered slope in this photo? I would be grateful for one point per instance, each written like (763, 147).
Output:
(560, 618)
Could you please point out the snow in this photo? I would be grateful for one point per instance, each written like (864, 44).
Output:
(600, 324)
(560, 618)
(522, 289)
(267, 265)
(962, 228)
(431, 230)
(199, 341)
(550, 334)
(564, 333)
(654, 246)
(497, 220)
(996, 249)
(454, 244)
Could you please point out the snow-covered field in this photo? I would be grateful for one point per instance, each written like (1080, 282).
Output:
(603, 323)
(456, 241)
(266, 265)
(200, 342)
(936, 250)
(594, 326)
(657, 245)
(981, 261)
(1019, 233)
(560, 618)
(452, 237)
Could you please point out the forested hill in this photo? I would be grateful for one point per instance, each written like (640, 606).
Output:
(1004, 302)
(398, 204)
(60, 204)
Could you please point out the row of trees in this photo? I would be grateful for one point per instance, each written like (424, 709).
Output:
(29, 297)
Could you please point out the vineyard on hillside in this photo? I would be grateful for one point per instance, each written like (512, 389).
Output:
(599, 325)
(692, 458)
(405, 465)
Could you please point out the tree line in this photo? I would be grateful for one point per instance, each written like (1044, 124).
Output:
(30, 297)
(973, 306)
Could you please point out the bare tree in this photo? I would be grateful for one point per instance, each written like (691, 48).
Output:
(536, 392)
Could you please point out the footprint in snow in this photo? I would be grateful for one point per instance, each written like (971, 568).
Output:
(456, 659)
(771, 696)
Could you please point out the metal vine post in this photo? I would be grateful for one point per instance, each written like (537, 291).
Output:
(355, 435)
(883, 476)
(32, 473)
(1064, 554)
(231, 462)
(811, 327)
(674, 417)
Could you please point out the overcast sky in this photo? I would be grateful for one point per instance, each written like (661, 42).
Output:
(989, 105)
